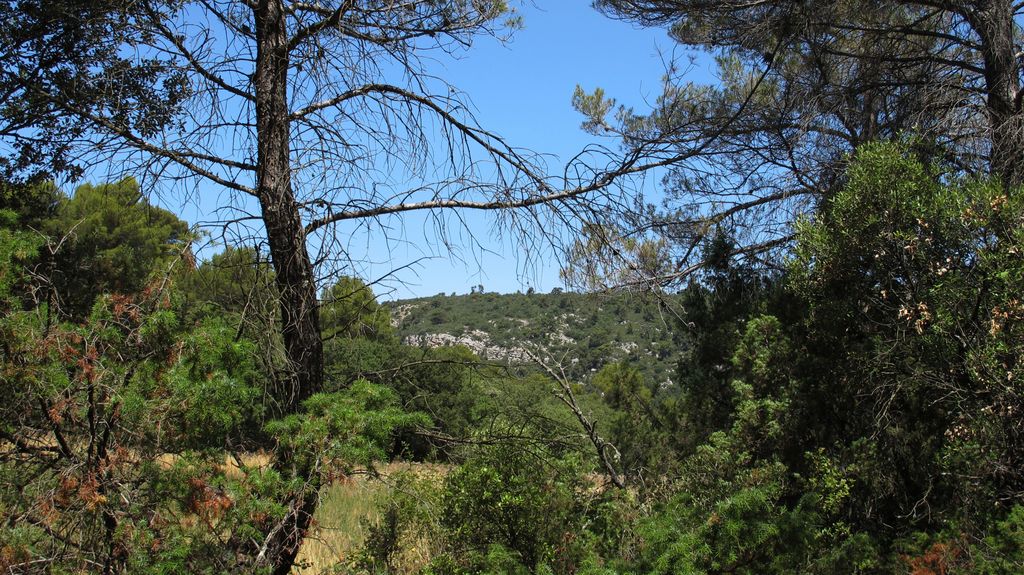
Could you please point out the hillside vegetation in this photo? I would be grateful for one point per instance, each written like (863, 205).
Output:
(579, 332)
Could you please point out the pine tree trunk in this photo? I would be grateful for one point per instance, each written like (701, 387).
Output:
(993, 22)
(294, 272)
(284, 228)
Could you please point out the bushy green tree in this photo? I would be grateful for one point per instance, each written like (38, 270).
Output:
(91, 409)
(713, 319)
(353, 426)
(33, 204)
(869, 418)
(738, 508)
(449, 384)
(910, 281)
(1001, 550)
(738, 504)
(349, 309)
(358, 338)
(236, 281)
(111, 239)
(208, 398)
(510, 509)
(17, 247)
(637, 424)
(236, 288)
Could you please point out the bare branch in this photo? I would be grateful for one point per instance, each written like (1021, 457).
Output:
(331, 19)
(606, 452)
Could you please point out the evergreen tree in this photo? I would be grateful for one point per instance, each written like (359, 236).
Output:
(111, 239)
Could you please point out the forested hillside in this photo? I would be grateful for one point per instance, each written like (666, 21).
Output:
(804, 357)
(580, 332)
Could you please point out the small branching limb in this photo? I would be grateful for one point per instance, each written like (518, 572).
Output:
(606, 451)
(282, 543)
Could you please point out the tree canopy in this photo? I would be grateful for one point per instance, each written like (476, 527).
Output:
(802, 86)
(113, 240)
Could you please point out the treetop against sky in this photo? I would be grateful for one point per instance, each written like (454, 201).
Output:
(520, 90)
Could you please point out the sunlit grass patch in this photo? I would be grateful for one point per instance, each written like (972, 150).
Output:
(253, 461)
(340, 526)
(348, 508)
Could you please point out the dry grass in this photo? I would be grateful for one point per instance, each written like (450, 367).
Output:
(341, 524)
(347, 508)
(230, 467)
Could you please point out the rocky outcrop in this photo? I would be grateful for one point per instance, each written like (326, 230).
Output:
(479, 342)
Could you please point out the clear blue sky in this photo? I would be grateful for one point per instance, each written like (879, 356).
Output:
(522, 90)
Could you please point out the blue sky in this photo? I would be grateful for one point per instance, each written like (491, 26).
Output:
(522, 90)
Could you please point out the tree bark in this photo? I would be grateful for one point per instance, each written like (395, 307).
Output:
(294, 271)
(992, 20)
(285, 231)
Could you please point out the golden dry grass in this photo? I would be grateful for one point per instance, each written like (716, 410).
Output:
(347, 509)
(230, 467)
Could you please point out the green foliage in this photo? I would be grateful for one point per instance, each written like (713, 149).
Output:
(347, 360)
(33, 204)
(738, 509)
(349, 309)
(623, 387)
(763, 355)
(235, 281)
(198, 516)
(16, 248)
(595, 107)
(73, 50)
(210, 395)
(446, 383)
(636, 425)
(509, 510)
(905, 276)
(236, 288)
(119, 433)
(604, 258)
(863, 389)
(115, 240)
(720, 328)
(856, 414)
(90, 409)
(1001, 551)
(355, 426)
(828, 480)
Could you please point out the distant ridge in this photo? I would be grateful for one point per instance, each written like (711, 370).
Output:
(580, 332)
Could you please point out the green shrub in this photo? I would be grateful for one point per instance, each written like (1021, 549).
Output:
(510, 509)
